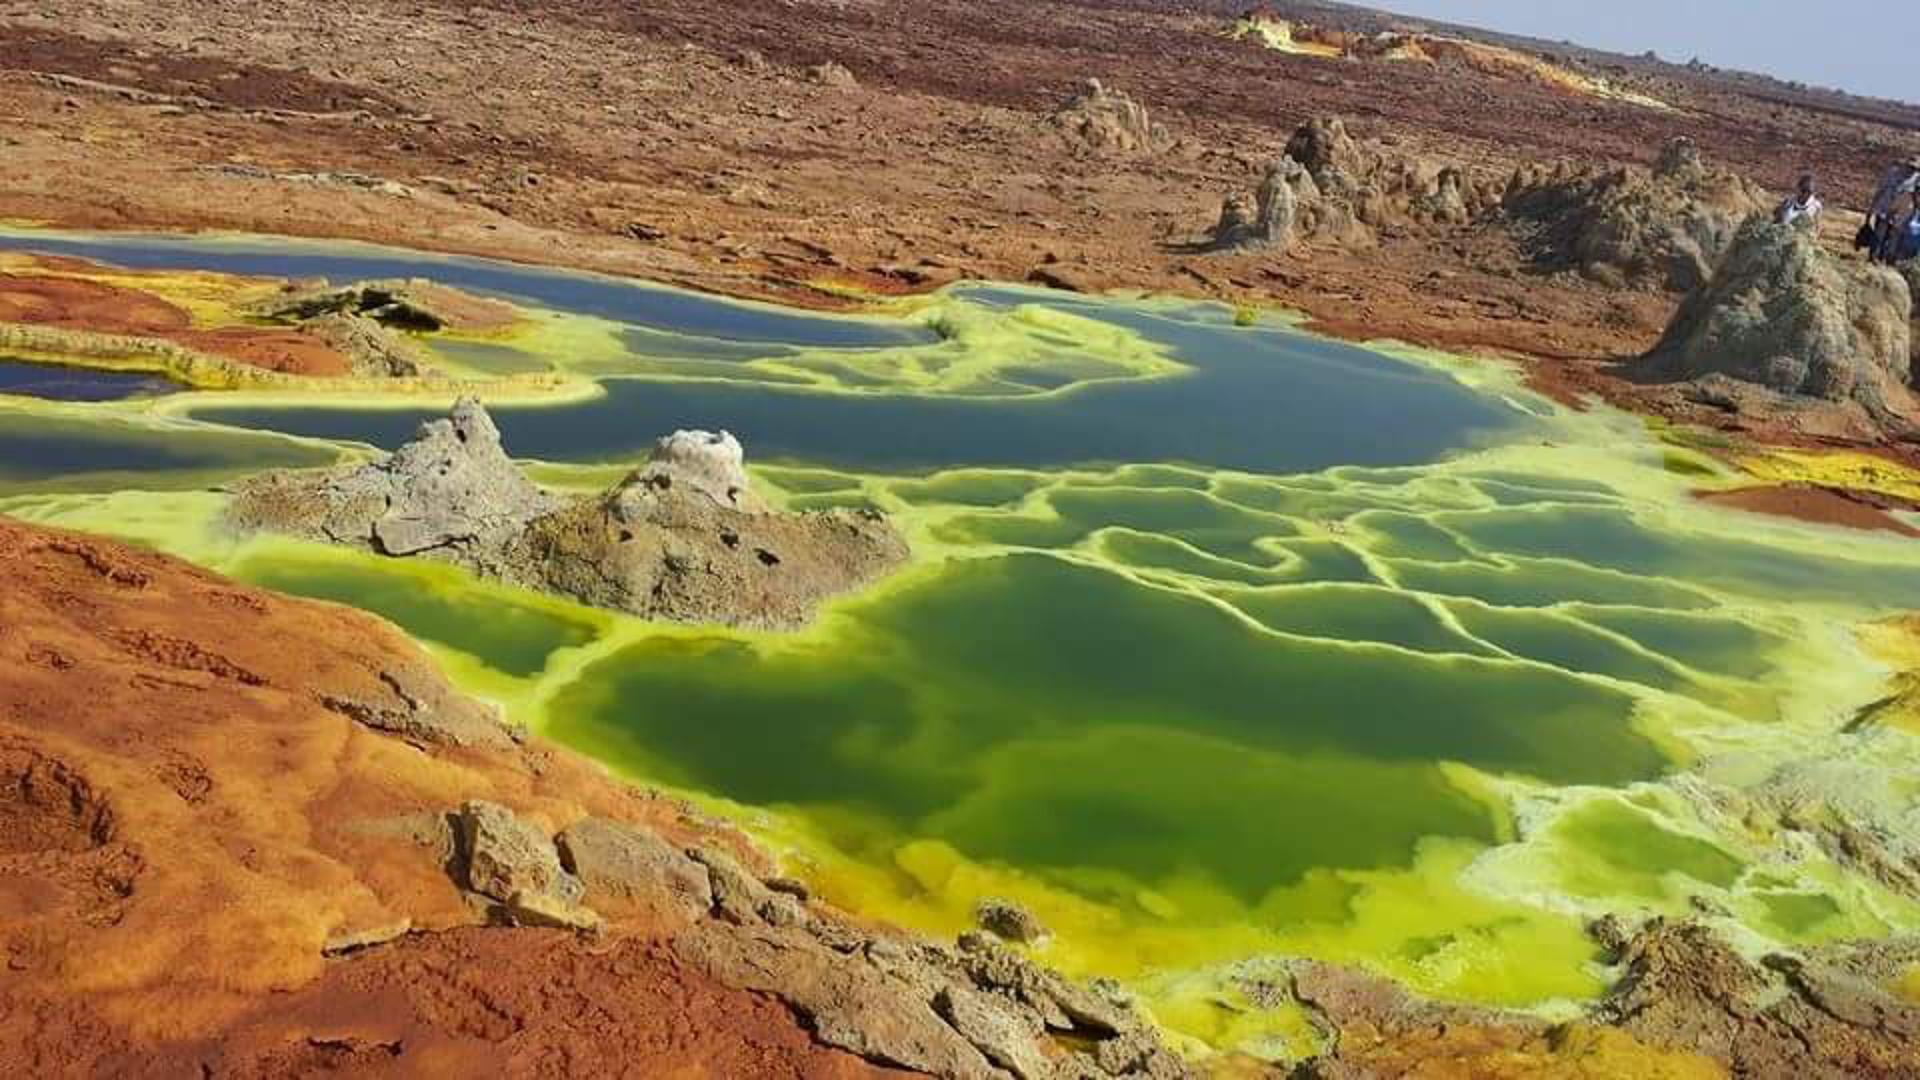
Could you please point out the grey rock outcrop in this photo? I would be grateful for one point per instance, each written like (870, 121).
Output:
(414, 705)
(1009, 921)
(407, 305)
(1006, 1036)
(1783, 315)
(1365, 187)
(683, 537)
(669, 550)
(1269, 222)
(509, 860)
(372, 323)
(1330, 187)
(832, 74)
(712, 464)
(737, 896)
(1325, 148)
(1826, 1014)
(1107, 121)
(453, 485)
(980, 1013)
(1062, 1005)
(450, 493)
(1663, 229)
(374, 351)
(503, 854)
(623, 868)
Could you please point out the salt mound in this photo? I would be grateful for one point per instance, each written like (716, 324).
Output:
(1782, 314)
(1632, 228)
(682, 537)
(713, 464)
(451, 491)
(1109, 122)
(1331, 187)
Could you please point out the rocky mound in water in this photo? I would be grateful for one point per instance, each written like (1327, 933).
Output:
(369, 322)
(87, 311)
(451, 492)
(1107, 121)
(311, 854)
(1784, 324)
(1329, 187)
(1627, 227)
(681, 538)
(407, 304)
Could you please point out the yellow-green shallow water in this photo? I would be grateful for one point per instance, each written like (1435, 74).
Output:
(1219, 644)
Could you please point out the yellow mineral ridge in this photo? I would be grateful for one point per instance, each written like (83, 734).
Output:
(1306, 39)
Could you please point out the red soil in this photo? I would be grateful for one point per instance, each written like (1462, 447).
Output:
(1822, 506)
(71, 303)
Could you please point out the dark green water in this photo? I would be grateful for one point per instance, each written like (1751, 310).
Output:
(1050, 715)
(515, 639)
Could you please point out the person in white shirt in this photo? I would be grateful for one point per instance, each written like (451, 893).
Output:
(1801, 208)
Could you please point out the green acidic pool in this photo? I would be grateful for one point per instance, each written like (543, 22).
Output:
(1220, 644)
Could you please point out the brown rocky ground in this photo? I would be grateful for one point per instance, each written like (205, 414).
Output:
(694, 143)
(1829, 506)
(686, 142)
(221, 330)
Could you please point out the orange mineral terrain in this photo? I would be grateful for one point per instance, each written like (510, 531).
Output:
(225, 845)
(40, 296)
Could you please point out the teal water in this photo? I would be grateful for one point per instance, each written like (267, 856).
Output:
(75, 452)
(1264, 400)
(1267, 399)
(74, 384)
(675, 310)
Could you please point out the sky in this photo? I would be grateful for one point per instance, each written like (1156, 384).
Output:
(1864, 46)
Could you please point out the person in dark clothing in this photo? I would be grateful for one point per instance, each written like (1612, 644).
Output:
(1905, 243)
(1884, 213)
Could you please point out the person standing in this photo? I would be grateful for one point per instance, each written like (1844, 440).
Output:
(1884, 212)
(1906, 238)
(1801, 208)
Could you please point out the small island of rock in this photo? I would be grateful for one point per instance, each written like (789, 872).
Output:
(681, 538)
